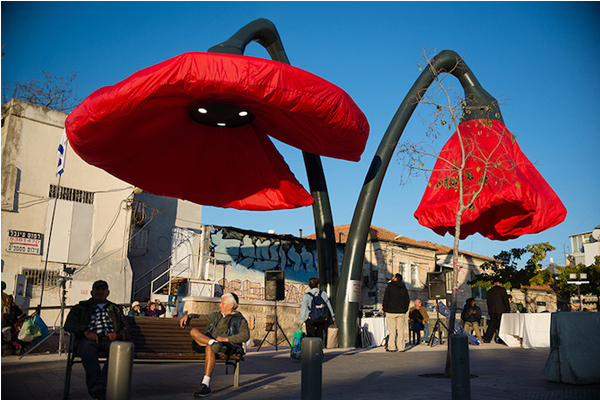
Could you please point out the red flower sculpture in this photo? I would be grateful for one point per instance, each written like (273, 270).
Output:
(515, 199)
(197, 127)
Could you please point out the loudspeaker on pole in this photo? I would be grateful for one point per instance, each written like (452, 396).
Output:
(274, 285)
(437, 285)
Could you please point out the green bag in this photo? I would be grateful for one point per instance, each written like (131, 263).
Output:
(296, 350)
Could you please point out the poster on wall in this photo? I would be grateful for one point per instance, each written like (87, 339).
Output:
(354, 291)
(24, 242)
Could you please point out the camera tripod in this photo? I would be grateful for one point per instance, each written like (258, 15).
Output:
(437, 328)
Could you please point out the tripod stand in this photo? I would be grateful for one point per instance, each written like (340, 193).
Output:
(274, 328)
(437, 326)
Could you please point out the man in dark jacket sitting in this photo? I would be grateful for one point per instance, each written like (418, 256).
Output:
(225, 333)
(96, 323)
(471, 315)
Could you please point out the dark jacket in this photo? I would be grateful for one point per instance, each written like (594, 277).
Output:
(80, 316)
(395, 298)
(497, 300)
(467, 316)
(234, 326)
(133, 313)
(155, 313)
(419, 314)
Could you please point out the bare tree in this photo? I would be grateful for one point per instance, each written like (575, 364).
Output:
(56, 92)
(467, 174)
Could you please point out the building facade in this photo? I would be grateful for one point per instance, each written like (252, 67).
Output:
(70, 229)
(584, 247)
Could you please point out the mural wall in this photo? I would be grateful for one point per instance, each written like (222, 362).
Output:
(243, 256)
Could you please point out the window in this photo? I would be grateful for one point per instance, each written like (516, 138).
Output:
(374, 277)
(405, 272)
(69, 194)
(35, 277)
(415, 275)
(475, 288)
(577, 242)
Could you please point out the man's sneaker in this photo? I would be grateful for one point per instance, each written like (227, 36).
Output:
(203, 391)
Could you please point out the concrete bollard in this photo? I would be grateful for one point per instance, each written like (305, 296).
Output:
(461, 374)
(120, 365)
(312, 368)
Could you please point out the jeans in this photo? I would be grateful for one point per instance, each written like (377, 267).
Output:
(89, 352)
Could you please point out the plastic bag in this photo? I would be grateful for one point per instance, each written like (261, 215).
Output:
(25, 333)
(332, 337)
(296, 350)
(33, 329)
(41, 330)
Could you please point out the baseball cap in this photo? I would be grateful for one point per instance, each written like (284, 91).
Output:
(99, 284)
(135, 303)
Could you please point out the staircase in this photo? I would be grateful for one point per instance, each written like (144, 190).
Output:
(176, 283)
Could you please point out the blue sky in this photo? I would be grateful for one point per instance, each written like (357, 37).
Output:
(539, 58)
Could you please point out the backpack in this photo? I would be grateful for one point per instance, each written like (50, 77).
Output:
(318, 307)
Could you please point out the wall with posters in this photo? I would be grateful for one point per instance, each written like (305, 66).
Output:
(242, 257)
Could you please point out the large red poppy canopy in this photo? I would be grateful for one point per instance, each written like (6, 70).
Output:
(197, 127)
(515, 199)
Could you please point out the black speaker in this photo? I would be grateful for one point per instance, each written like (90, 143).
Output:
(274, 285)
(437, 285)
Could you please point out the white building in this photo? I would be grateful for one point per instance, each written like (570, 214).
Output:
(85, 216)
(98, 226)
(584, 247)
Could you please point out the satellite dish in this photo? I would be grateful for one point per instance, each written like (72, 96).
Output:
(596, 235)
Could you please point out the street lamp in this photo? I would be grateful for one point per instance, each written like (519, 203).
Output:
(198, 127)
(503, 218)
(581, 280)
(482, 104)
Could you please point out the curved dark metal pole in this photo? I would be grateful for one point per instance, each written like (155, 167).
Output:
(264, 32)
(480, 105)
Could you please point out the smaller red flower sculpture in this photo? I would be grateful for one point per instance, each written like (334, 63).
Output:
(515, 199)
(197, 127)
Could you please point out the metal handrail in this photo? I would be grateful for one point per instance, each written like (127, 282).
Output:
(166, 283)
(169, 270)
(151, 271)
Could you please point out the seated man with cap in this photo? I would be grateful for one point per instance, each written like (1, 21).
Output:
(135, 310)
(226, 331)
(96, 323)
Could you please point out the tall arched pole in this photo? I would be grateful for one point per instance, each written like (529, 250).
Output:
(481, 105)
(264, 32)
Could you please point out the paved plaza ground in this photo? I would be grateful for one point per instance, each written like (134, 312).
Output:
(501, 373)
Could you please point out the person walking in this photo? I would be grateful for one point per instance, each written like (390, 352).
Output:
(497, 303)
(395, 307)
(316, 310)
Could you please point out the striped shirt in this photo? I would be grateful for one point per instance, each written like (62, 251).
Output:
(100, 323)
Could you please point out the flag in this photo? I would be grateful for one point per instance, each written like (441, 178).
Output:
(61, 152)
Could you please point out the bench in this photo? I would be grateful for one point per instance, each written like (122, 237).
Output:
(161, 340)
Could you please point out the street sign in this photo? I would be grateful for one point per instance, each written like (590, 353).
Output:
(24, 242)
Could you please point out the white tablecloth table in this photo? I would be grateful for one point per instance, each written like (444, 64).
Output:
(377, 328)
(529, 330)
